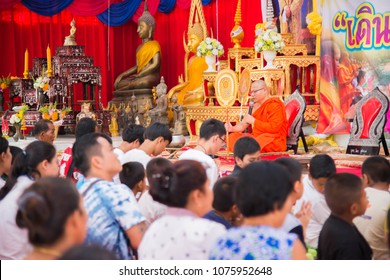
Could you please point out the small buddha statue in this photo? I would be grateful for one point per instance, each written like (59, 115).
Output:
(85, 112)
(129, 117)
(71, 39)
(160, 112)
(146, 73)
(113, 127)
(190, 91)
(179, 118)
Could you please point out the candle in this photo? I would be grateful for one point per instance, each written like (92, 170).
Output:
(25, 73)
(48, 53)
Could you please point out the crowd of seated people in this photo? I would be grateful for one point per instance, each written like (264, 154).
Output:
(139, 205)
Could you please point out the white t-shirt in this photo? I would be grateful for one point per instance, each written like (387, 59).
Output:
(119, 152)
(179, 235)
(208, 163)
(372, 224)
(13, 240)
(319, 209)
(151, 209)
(135, 155)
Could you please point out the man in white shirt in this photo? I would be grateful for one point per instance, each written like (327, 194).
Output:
(132, 136)
(212, 137)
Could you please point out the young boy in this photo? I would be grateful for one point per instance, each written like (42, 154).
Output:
(339, 238)
(292, 224)
(225, 210)
(376, 179)
(157, 136)
(246, 151)
(133, 137)
(320, 169)
(133, 176)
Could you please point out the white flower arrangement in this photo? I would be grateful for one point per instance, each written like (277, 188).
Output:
(210, 46)
(42, 83)
(269, 41)
(15, 119)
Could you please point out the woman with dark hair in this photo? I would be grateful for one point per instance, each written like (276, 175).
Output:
(263, 197)
(181, 233)
(53, 213)
(37, 161)
(5, 160)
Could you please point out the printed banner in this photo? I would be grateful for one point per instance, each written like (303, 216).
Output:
(355, 58)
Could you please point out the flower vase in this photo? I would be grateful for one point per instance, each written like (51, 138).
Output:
(211, 61)
(56, 127)
(18, 133)
(269, 56)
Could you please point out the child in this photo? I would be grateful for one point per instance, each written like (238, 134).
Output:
(376, 179)
(320, 169)
(339, 238)
(246, 151)
(224, 210)
(133, 176)
(292, 224)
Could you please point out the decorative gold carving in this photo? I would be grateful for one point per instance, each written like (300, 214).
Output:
(238, 54)
(216, 112)
(291, 50)
(251, 63)
(274, 79)
(208, 76)
(226, 87)
(288, 38)
(244, 86)
(237, 33)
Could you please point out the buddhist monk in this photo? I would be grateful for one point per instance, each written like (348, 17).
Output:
(268, 121)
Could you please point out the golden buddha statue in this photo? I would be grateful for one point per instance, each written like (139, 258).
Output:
(146, 73)
(190, 91)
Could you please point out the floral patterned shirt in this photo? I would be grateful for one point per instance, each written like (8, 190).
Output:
(112, 209)
(254, 243)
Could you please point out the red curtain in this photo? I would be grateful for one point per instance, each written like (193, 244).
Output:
(114, 48)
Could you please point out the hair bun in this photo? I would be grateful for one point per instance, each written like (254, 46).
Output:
(162, 180)
(32, 208)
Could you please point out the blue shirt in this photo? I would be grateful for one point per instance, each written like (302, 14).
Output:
(112, 209)
(254, 243)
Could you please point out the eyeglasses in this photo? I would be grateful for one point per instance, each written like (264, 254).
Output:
(222, 139)
(256, 90)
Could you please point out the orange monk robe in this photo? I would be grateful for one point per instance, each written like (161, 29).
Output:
(269, 129)
(345, 75)
(196, 67)
(146, 53)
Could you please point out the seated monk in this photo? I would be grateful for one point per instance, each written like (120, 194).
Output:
(190, 92)
(268, 120)
(146, 73)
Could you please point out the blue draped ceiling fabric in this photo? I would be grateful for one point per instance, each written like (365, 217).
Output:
(107, 30)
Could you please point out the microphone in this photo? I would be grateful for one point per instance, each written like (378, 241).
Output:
(250, 109)
(251, 103)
